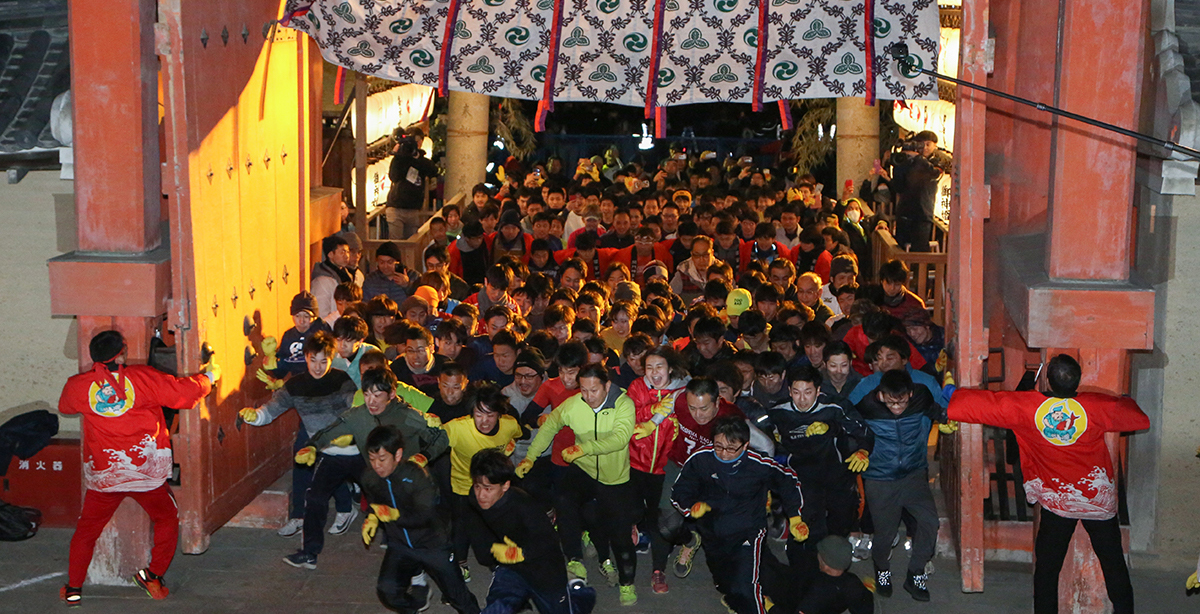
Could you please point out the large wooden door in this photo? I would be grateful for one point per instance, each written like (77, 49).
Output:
(233, 97)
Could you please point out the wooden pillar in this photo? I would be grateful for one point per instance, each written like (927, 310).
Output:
(466, 142)
(857, 140)
(114, 73)
(1092, 170)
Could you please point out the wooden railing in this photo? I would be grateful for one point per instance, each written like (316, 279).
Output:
(413, 247)
(928, 271)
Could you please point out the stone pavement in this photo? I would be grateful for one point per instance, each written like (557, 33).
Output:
(242, 572)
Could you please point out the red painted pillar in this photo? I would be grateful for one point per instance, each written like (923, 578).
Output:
(1092, 180)
(117, 190)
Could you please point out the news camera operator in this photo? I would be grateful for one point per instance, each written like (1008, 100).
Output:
(409, 170)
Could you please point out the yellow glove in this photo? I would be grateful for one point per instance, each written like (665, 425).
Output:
(700, 508)
(508, 552)
(432, 420)
(272, 383)
(858, 461)
(418, 460)
(509, 447)
(307, 455)
(816, 428)
(524, 467)
(369, 527)
(270, 345)
(767, 603)
(542, 420)
(572, 453)
(385, 513)
(644, 429)
(666, 406)
(940, 365)
(342, 441)
(797, 528)
(213, 371)
(949, 427)
(869, 583)
(1193, 582)
(249, 415)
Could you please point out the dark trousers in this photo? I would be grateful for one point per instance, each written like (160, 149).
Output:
(616, 509)
(647, 488)
(460, 538)
(738, 567)
(510, 590)
(915, 232)
(328, 480)
(887, 499)
(401, 563)
(542, 481)
(302, 476)
(830, 508)
(1053, 539)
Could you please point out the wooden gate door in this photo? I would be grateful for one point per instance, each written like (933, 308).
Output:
(235, 97)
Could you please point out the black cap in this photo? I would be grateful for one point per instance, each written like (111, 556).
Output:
(389, 249)
(531, 358)
(836, 552)
(304, 301)
(473, 229)
(106, 346)
(510, 218)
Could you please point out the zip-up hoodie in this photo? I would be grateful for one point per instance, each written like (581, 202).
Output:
(603, 434)
(649, 454)
(409, 490)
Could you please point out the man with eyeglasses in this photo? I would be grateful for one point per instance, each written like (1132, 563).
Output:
(643, 252)
(900, 414)
(419, 366)
(724, 488)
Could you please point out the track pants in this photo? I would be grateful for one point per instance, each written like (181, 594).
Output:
(329, 478)
(509, 591)
(617, 511)
(98, 508)
(401, 562)
(737, 567)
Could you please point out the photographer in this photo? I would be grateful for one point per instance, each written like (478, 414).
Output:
(409, 170)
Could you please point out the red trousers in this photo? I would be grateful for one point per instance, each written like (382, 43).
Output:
(98, 508)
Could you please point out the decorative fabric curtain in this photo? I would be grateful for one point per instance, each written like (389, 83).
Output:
(709, 50)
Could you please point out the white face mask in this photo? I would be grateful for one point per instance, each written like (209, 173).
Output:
(853, 215)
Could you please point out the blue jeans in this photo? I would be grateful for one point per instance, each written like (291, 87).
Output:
(509, 591)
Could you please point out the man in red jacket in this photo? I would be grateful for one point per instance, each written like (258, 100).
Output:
(127, 453)
(1067, 469)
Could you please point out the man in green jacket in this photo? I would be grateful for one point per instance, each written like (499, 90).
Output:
(381, 407)
(602, 418)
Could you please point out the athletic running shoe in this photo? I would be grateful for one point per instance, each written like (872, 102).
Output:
(70, 595)
(683, 560)
(575, 568)
(152, 584)
(291, 528)
(628, 595)
(641, 541)
(883, 583)
(609, 571)
(862, 548)
(301, 559)
(589, 549)
(466, 572)
(658, 583)
(916, 586)
(342, 522)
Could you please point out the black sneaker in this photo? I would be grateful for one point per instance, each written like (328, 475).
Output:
(883, 583)
(916, 586)
(301, 559)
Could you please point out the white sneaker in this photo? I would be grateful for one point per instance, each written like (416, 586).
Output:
(342, 521)
(862, 548)
(291, 528)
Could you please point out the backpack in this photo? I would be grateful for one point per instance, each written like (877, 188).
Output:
(18, 523)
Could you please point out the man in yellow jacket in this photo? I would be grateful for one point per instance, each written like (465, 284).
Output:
(602, 418)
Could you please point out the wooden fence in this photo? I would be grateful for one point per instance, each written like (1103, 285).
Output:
(928, 271)
(413, 247)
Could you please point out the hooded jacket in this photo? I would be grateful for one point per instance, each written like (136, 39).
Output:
(649, 454)
(819, 457)
(900, 441)
(603, 434)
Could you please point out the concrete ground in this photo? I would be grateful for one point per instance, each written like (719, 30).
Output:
(242, 572)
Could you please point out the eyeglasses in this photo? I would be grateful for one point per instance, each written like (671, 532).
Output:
(523, 376)
(729, 449)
